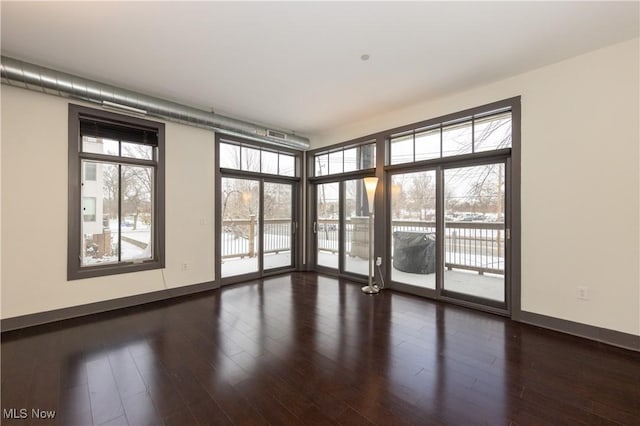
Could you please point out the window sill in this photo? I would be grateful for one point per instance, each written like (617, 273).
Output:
(106, 270)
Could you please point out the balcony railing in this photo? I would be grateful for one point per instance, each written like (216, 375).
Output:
(240, 237)
(475, 246)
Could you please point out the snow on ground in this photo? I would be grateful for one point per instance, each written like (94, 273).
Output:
(238, 266)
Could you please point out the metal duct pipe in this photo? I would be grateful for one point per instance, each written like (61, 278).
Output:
(33, 77)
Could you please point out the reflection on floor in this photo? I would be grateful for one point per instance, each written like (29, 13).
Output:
(307, 349)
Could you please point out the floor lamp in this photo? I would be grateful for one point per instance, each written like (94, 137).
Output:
(370, 184)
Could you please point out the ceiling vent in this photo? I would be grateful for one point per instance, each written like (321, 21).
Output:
(276, 135)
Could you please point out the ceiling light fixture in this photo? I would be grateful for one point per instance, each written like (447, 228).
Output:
(365, 57)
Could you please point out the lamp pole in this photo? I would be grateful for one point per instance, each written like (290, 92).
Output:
(370, 184)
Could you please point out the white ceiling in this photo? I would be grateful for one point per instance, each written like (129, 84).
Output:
(296, 66)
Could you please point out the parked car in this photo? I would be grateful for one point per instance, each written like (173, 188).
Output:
(473, 217)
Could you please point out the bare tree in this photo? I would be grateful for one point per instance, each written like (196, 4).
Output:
(133, 183)
(422, 193)
(486, 191)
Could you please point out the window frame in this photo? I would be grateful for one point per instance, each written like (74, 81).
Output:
(341, 148)
(243, 145)
(383, 169)
(442, 124)
(296, 181)
(75, 270)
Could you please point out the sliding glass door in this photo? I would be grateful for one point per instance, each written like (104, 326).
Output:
(355, 216)
(257, 194)
(341, 227)
(240, 226)
(251, 241)
(279, 227)
(449, 232)
(413, 229)
(474, 232)
(327, 224)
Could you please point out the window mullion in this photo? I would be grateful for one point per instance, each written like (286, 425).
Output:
(473, 135)
(114, 159)
(119, 213)
(413, 138)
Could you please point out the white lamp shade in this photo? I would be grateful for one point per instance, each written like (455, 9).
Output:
(370, 184)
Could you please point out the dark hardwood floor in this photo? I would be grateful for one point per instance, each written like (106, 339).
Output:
(306, 349)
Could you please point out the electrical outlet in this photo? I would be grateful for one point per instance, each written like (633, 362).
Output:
(378, 261)
(184, 266)
(583, 293)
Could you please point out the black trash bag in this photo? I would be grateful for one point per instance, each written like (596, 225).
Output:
(414, 252)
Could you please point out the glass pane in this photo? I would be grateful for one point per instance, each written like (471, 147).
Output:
(492, 132)
(270, 162)
(350, 159)
(328, 224)
(413, 228)
(474, 231)
(136, 225)
(100, 215)
(402, 149)
(136, 150)
(322, 164)
(287, 164)
(428, 145)
(90, 171)
(356, 222)
(278, 224)
(250, 159)
(335, 162)
(100, 146)
(229, 156)
(456, 139)
(89, 209)
(367, 155)
(240, 213)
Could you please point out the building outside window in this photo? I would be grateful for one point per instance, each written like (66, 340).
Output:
(90, 171)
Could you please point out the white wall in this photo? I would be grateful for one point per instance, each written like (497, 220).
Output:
(580, 181)
(34, 211)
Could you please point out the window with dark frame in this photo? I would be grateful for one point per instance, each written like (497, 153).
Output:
(485, 132)
(345, 159)
(116, 193)
(253, 158)
(481, 143)
(257, 187)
